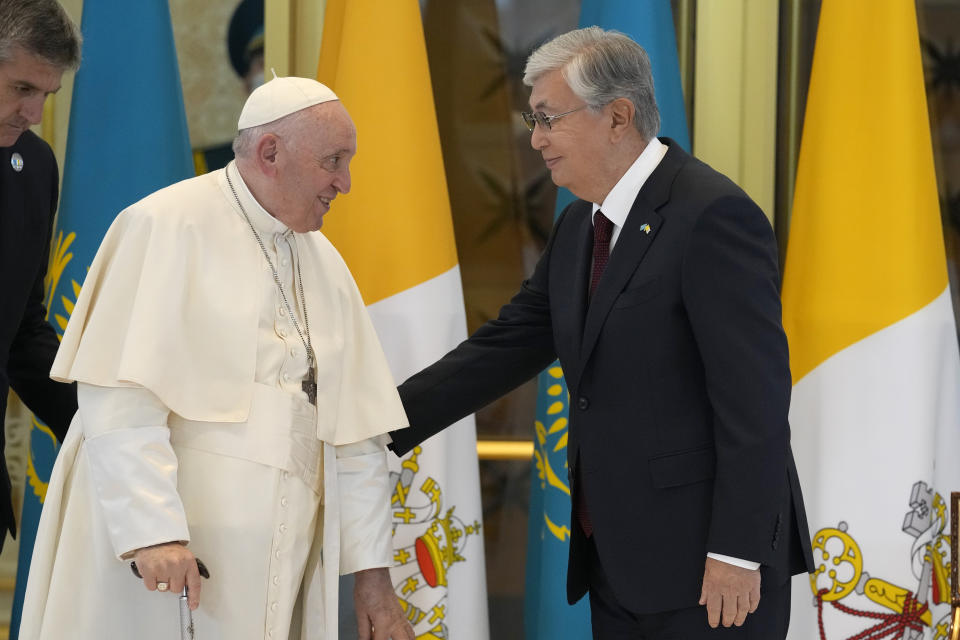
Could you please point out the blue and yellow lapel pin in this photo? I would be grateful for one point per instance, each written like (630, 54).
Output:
(645, 228)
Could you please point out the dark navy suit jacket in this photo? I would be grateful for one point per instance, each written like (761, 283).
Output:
(28, 344)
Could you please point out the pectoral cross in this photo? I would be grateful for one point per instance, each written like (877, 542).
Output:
(309, 386)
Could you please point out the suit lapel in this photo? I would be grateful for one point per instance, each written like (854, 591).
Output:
(638, 233)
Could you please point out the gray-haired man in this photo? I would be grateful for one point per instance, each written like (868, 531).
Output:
(658, 291)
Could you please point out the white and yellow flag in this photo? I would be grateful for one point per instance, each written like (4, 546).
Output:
(396, 234)
(873, 344)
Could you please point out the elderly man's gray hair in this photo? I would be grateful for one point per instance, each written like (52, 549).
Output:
(599, 67)
(286, 128)
(41, 28)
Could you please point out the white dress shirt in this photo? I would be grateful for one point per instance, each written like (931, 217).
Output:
(616, 206)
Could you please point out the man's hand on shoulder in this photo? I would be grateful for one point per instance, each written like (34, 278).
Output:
(729, 592)
(379, 616)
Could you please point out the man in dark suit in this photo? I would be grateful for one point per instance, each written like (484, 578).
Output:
(659, 292)
(38, 42)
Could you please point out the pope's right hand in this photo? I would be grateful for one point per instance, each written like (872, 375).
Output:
(171, 564)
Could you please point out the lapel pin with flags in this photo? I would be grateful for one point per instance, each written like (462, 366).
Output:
(645, 228)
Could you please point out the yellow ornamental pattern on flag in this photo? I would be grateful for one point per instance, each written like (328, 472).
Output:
(866, 247)
(41, 436)
(43, 443)
(551, 449)
(394, 229)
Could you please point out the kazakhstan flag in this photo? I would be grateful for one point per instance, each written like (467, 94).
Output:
(127, 138)
(547, 615)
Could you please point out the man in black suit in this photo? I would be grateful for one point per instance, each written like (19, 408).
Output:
(659, 292)
(38, 42)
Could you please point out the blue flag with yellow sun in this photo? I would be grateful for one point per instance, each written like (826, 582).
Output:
(547, 614)
(127, 138)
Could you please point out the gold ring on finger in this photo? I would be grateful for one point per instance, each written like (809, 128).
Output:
(163, 586)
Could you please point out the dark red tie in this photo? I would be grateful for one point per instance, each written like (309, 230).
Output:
(602, 230)
(580, 511)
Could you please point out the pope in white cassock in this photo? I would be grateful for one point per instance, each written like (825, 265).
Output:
(233, 397)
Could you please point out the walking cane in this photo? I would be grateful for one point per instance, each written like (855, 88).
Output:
(186, 616)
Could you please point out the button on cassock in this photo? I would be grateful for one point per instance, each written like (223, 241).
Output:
(583, 403)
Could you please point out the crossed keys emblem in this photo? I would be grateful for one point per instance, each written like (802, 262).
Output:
(907, 612)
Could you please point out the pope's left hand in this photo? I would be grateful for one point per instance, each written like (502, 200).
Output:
(379, 616)
(729, 592)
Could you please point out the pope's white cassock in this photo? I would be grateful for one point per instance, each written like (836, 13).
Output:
(193, 426)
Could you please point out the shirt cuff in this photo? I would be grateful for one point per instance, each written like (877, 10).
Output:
(737, 562)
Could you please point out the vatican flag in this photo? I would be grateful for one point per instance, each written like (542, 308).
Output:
(396, 234)
(873, 343)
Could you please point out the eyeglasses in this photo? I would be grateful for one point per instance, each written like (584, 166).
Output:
(532, 119)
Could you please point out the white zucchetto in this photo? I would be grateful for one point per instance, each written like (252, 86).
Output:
(280, 97)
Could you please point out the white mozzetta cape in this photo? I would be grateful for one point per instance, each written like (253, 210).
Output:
(170, 304)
